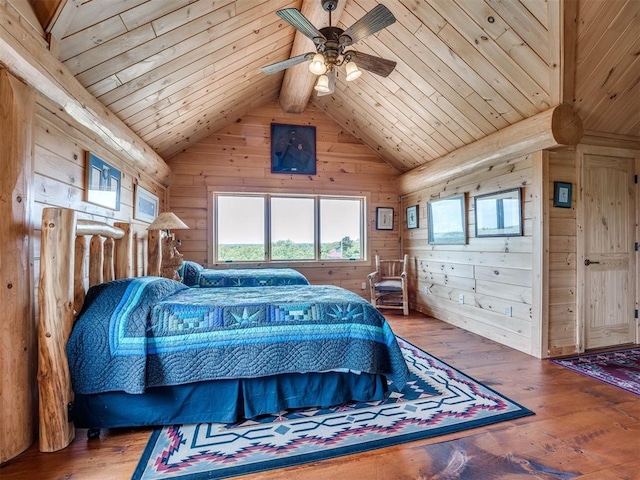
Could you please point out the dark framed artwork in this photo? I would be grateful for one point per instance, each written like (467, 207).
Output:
(384, 218)
(103, 182)
(293, 149)
(146, 205)
(448, 220)
(412, 216)
(562, 194)
(499, 214)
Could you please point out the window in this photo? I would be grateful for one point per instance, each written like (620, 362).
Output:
(299, 228)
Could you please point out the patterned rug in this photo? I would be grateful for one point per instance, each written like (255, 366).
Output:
(437, 400)
(620, 368)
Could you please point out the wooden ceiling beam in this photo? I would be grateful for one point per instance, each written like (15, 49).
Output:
(25, 57)
(554, 127)
(298, 82)
(563, 18)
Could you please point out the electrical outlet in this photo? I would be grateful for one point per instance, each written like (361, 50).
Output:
(507, 311)
(364, 285)
(461, 299)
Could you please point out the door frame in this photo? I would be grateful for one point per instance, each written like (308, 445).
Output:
(581, 150)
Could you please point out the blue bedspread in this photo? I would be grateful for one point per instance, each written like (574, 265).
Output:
(147, 332)
(194, 275)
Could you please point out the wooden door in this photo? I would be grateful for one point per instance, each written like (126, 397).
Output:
(608, 256)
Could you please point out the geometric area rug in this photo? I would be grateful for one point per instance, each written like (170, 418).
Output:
(436, 400)
(620, 368)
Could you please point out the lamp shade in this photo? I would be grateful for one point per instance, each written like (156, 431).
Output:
(353, 71)
(323, 84)
(167, 221)
(317, 65)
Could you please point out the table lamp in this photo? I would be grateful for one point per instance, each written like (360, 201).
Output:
(171, 259)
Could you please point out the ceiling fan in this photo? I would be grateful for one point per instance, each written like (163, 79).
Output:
(331, 44)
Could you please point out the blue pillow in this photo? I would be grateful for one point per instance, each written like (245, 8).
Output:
(190, 273)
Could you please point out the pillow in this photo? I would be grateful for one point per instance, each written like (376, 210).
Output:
(190, 273)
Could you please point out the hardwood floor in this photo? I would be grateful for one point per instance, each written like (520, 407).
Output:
(582, 428)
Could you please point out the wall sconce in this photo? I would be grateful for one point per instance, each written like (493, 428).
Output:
(171, 259)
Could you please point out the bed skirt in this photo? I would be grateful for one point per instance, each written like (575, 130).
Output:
(225, 401)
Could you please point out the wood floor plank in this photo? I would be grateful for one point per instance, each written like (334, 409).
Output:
(582, 428)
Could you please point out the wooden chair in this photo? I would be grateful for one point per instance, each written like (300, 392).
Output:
(388, 284)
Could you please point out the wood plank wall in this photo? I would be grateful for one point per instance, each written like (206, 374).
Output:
(490, 273)
(237, 158)
(562, 257)
(59, 180)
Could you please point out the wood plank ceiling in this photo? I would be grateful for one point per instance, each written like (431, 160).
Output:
(176, 71)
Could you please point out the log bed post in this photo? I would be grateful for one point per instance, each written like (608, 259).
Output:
(54, 326)
(61, 292)
(154, 252)
(124, 252)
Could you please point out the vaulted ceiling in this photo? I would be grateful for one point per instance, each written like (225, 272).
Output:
(176, 71)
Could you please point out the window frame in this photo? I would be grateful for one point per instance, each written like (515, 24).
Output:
(212, 238)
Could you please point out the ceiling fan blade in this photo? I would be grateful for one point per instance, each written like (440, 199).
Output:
(300, 23)
(378, 65)
(373, 21)
(332, 84)
(284, 64)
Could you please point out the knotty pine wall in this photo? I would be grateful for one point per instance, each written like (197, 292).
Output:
(562, 257)
(59, 179)
(237, 158)
(490, 273)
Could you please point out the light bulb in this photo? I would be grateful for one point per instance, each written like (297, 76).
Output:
(317, 66)
(323, 84)
(352, 71)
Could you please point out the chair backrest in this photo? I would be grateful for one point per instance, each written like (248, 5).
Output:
(391, 268)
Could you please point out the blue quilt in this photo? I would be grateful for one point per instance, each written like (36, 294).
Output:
(138, 333)
(194, 275)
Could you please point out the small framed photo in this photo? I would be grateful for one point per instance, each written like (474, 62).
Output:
(146, 205)
(103, 182)
(562, 194)
(412, 216)
(384, 218)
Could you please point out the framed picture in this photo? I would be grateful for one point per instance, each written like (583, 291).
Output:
(448, 220)
(384, 218)
(499, 214)
(293, 149)
(412, 216)
(146, 205)
(562, 194)
(103, 182)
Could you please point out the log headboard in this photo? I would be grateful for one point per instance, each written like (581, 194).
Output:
(61, 292)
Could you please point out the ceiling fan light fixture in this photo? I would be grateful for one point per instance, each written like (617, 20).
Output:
(353, 72)
(323, 84)
(317, 65)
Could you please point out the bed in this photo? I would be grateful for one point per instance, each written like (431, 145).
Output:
(252, 350)
(194, 275)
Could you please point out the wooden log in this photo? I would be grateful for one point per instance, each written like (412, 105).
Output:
(79, 291)
(124, 252)
(91, 227)
(54, 326)
(154, 251)
(17, 330)
(108, 273)
(554, 127)
(298, 82)
(96, 259)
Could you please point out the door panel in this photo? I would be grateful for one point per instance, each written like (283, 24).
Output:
(609, 256)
